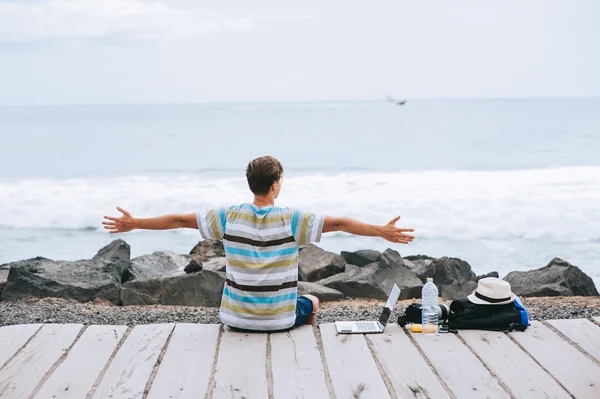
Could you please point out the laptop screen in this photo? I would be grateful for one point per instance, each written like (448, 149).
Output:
(389, 305)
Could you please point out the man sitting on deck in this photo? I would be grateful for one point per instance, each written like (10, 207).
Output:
(261, 244)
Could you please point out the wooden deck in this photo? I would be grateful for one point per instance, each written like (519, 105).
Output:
(554, 359)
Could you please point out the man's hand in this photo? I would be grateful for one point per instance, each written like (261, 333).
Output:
(389, 232)
(396, 234)
(119, 225)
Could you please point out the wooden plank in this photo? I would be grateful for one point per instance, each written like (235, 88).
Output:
(130, 370)
(577, 373)
(186, 366)
(523, 376)
(581, 331)
(86, 360)
(25, 371)
(408, 372)
(241, 367)
(353, 371)
(458, 367)
(12, 338)
(296, 363)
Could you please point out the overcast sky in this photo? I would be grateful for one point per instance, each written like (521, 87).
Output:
(121, 51)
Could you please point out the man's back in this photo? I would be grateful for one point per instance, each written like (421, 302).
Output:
(261, 247)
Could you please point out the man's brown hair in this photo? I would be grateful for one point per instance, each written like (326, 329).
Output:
(262, 173)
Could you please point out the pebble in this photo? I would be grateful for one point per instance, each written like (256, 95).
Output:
(52, 310)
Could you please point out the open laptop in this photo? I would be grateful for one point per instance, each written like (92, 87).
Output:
(371, 327)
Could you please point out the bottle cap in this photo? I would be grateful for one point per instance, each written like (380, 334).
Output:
(430, 279)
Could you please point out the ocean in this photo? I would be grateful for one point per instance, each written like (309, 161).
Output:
(503, 184)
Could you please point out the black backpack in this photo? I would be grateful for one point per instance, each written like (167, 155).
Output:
(465, 315)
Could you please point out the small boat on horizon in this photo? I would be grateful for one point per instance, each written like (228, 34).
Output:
(398, 102)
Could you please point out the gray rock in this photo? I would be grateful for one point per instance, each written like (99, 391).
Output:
(452, 276)
(82, 280)
(302, 275)
(376, 279)
(558, 278)
(197, 289)
(390, 257)
(207, 249)
(317, 264)
(118, 249)
(3, 277)
(361, 258)
(490, 274)
(215, 264)
(3, 274)
(157, 264)
(324, 294)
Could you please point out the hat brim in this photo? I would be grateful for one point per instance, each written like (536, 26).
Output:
(473, 299)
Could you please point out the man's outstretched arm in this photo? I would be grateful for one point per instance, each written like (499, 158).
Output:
(127, 222)
(388, 232)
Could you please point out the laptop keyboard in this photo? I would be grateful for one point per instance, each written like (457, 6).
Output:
(367, 326)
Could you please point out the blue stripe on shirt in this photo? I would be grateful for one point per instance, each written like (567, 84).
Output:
(295, 222)
(248, 299)
(256, 254)
(223, 218)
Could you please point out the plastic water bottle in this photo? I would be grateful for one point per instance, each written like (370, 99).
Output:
(429, 315)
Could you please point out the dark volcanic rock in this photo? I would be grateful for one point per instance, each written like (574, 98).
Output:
(197, 289)
(193, 267)
(316, 263)
(361, 258)
(157, 264)
(3, 277)
(490, 274)
(117, 250)
(414, 258)
(453, 277)
(376, 279)
(559, 277)
(207, 249)
(83, 280)
(419, 266)
(320, 291)
(215, 264)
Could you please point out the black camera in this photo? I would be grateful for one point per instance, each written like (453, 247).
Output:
(413, 312)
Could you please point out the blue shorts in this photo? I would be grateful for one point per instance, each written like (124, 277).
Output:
(304, 309)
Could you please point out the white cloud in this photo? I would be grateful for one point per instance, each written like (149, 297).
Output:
(61, 19)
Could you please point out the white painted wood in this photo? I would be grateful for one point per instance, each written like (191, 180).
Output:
(241, 367)
(523, 376)
(75, 377)
(12, 338)
(581, 331)
(185, 369)
(26, 370)
(577, 373)
(353, 371)
(296, 364)
(408, 372)
(132, 366)
(462, 372)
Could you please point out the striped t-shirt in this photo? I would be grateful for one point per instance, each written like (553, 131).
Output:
(261, 250)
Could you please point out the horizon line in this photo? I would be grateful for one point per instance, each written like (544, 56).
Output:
(382, 100)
